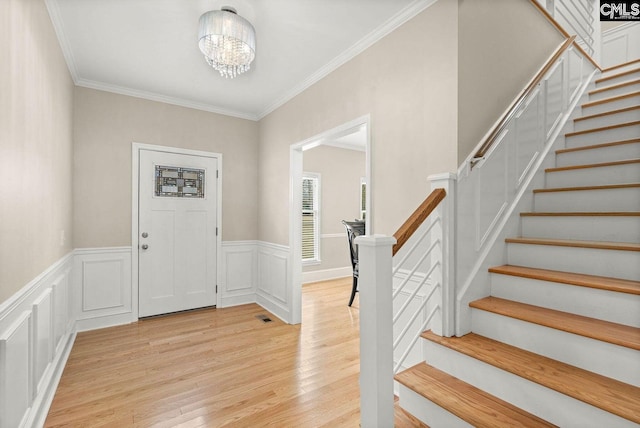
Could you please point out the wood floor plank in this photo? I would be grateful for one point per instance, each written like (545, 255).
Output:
(220, 367)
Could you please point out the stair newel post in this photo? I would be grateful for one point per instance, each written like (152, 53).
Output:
(376, 330)
(445, 213)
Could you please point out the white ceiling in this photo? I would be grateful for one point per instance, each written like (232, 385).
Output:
(149, 49)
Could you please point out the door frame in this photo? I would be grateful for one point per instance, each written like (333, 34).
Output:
(295, 202)
(135, 235)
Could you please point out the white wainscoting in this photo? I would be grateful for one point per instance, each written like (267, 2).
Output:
(239, 272)
(499, 184)
(102, 292)
(621, 44)
(36, 335)
(91, 288)
(274, 285)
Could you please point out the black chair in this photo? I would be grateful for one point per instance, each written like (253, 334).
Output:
(354, 229)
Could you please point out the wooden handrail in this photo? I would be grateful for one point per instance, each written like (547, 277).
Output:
(417, 218)
(502, 124)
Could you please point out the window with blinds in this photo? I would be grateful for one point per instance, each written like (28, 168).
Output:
(310, 218)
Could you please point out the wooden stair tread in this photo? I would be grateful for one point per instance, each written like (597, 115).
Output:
(582, 214)
(615, 76)
(600, 391)
(603, 245)
(571, 189)
(571, 278)
(616, 86)
(593, 165)
(467, 402)
(602, 128)
(624, 64)
(610, 99)
(605, 331)
(599, 146)
(606, 113)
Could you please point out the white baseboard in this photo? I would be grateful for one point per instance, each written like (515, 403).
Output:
(326, 274)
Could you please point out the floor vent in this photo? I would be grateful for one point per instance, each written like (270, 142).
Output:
(263, 318)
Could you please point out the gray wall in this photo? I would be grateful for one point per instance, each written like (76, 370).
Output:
(105, 126)
(36, 95)
(502, 44)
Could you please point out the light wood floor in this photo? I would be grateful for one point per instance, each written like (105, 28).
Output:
(220, 367)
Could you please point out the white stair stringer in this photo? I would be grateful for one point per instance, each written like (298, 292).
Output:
(582, 226)
(579, 351)
(617, 172)
(546, 403)
(624, 264)
(628, 149)
(612, 306)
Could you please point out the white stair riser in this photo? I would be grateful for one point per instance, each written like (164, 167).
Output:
(618, 70)
(547, 404)
(608, 120)
(618, 79)
(603, 175)
(605, 136)
(590, 261)
(428, 412)
(601, 154)
(610, 105)
(606, 200)
(621, 308)
(616, 362)
(600, 95)
(583, 228)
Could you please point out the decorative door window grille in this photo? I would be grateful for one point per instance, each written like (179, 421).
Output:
(177, 182)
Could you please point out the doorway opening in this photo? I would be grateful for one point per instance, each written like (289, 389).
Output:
(353, 135)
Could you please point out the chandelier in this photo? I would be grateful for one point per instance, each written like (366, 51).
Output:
(227, 40)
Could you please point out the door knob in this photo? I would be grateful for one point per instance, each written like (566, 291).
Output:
(145, 246)
(145, 234)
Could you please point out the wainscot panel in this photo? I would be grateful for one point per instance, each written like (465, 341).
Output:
(102, 291)
(238, 281)
(36, 336)
(274, 282)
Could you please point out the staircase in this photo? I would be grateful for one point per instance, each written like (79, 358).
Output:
(558, 341)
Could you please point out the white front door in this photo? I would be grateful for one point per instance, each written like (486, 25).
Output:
(177, 232)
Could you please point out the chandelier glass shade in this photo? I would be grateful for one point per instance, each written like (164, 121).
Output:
(228, 41)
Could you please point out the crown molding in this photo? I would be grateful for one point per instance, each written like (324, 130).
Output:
(360, 46)
(152, 96)
(56, 20)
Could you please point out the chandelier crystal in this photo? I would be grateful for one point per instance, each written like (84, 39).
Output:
(227, 40)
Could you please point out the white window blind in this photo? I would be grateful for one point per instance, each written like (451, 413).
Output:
(310, 217)
(363, 198)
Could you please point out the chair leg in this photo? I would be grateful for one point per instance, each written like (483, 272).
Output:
(354, 288)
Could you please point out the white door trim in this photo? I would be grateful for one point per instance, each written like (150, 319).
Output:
(135, 178)
(295, 202)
